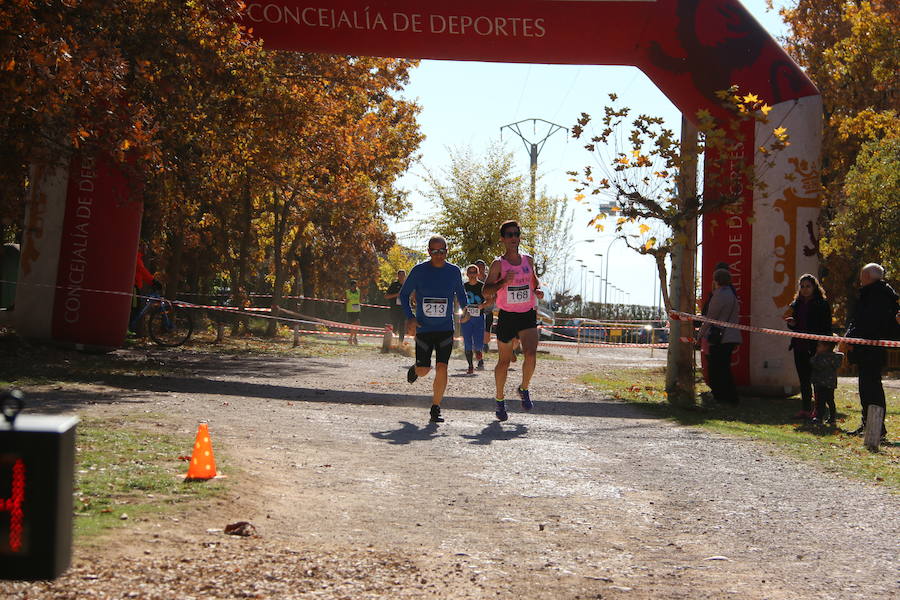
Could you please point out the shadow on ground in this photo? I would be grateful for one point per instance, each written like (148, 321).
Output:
(136, 389)
(408, 433)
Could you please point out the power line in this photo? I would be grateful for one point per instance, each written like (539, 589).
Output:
(534, 148)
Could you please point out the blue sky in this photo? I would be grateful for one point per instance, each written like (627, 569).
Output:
(465, 104)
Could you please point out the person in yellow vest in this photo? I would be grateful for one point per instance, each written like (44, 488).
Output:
(354, 307)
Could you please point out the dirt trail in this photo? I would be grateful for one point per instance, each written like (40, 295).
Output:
(355, 495)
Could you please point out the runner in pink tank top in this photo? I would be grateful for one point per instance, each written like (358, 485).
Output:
(516, 295)
(512, 279)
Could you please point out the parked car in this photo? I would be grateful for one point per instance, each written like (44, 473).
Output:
(546, 316)
(585, 331)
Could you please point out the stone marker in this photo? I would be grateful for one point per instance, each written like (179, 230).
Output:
(874, 423)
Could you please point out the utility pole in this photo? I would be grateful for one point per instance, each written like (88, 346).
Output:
(534, 148)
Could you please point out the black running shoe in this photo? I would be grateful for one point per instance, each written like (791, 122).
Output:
(501, 411)
(411, 374)
(436, 414)
(480, 366)
(527, 404)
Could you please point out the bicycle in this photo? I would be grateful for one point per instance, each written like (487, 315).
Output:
(170, 323)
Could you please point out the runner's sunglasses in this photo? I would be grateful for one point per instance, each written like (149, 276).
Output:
(512, 233)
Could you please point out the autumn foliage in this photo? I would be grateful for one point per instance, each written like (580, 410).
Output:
(259, 171)
(850, 51)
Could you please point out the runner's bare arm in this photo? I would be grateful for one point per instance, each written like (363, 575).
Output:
(535, 282)
(462, 302)
(493, 282)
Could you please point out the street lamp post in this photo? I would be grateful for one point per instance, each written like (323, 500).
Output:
(606, 273)
(568, 257)
(583, 270)
(603, 293)
(579, 260)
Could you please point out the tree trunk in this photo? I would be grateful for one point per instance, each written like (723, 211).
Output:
(307, 280)
(278, 232)
(663, 278)
(239, 287)
(680, 358)
(176, 253)
(296, 289)
(281, 255)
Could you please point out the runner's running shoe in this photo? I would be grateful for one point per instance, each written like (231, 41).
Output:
(411, 374)
(480, 366)
(501, 411)
(436, 414)
(527, 404)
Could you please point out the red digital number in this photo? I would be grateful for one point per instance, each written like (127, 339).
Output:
(13, 505)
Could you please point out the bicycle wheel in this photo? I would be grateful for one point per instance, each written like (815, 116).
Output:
(171, 325)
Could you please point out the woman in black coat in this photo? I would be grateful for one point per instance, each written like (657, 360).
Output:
(810, 312)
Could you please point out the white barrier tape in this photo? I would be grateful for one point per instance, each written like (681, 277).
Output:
(334, 300)
(257, 310)
(606, 345)
(624, 327)
(341, 333)
(69, 288)
(608, 322)
(238, 311)
(117, 293)
(681, 316)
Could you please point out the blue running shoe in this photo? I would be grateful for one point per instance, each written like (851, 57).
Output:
(527, 404)
(501, 411)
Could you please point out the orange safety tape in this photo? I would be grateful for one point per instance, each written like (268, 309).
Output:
(682, 316)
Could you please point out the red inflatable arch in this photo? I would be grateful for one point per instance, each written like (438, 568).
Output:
(689, 48)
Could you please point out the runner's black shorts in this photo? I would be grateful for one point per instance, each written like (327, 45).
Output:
(509, 324)
(488, 320)
(440, 342)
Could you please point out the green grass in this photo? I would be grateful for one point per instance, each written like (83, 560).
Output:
(131, 468)
(24, 364)
(310, 346)
(771, 421)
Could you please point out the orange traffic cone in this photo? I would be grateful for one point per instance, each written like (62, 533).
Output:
(203, 464)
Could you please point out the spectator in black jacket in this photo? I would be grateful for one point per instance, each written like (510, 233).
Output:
(873, 318)
(808, 313)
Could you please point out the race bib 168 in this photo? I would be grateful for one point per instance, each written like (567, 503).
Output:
(518, 294)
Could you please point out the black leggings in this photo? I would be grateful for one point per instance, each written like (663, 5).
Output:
(825, 397)
(804, 370)
(398, 320)
(721, 381)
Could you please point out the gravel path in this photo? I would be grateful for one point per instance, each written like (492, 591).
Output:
(355, 495)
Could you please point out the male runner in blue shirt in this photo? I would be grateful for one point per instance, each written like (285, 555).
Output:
(435, 283)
